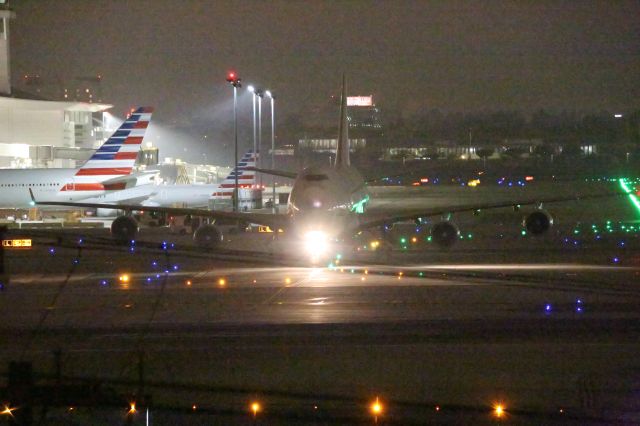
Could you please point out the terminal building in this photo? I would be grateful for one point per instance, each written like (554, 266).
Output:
(35, 132)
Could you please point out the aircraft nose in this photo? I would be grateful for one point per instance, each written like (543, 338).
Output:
(313, 198)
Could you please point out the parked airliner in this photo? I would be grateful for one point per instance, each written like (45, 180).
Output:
(108, 170)
(184, 195)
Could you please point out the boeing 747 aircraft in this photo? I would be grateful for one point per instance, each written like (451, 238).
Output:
(329, 202)
(108, 170)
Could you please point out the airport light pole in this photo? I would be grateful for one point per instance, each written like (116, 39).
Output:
(260, 94)
(234, 80)
(255, 129)
(273, 148)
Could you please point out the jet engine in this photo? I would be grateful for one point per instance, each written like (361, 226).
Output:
(538, 222)
(444, 234)
(207, 236)
(124, 229)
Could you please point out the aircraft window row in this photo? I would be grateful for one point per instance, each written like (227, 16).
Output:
(7, 185)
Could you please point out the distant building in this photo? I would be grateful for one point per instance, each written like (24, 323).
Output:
(329, 145)
(363, 115)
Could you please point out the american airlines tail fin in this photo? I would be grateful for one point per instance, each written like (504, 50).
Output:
(116, 157)
(246, 176)
(342, 151)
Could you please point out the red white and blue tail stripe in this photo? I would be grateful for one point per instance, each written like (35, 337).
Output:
(115, 158)
(246, 178)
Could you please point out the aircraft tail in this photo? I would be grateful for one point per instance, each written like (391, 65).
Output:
(342, 151)
(115, 158)
(246, 177)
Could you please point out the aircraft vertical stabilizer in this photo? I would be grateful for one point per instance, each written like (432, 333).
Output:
(115, 159)
(246, 176)
(342, 152)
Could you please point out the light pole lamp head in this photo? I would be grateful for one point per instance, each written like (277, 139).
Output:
(259, 93)
(233, 79)
(269, 94)
(251, 88)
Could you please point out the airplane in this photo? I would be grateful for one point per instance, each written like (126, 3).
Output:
(187, 195)
(108, 170)
(330, 202)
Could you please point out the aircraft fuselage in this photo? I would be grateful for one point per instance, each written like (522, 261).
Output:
(327, 200)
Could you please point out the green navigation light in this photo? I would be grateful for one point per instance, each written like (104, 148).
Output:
(359, 206)
(632, 196)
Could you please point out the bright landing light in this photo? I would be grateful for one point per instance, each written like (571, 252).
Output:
(316, 243)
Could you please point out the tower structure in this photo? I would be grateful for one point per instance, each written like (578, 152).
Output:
(5, 59)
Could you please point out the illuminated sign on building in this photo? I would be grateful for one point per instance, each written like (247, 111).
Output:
(17, 244)
(360, 100)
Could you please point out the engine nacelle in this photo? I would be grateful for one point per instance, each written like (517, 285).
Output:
(538, 222)
(444, 234)
(124, 229)
(207, 236)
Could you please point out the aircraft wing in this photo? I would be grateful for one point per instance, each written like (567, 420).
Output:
(273, 221)
(383, 218)
(281, 173)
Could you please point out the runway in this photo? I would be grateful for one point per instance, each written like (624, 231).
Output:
(549, 327)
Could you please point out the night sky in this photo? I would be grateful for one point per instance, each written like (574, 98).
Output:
(411, 55)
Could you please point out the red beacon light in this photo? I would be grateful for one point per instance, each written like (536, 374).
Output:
(233, 79)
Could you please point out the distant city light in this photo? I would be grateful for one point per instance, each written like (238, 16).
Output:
(255, 408)
(376, 408)
(8, 411)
